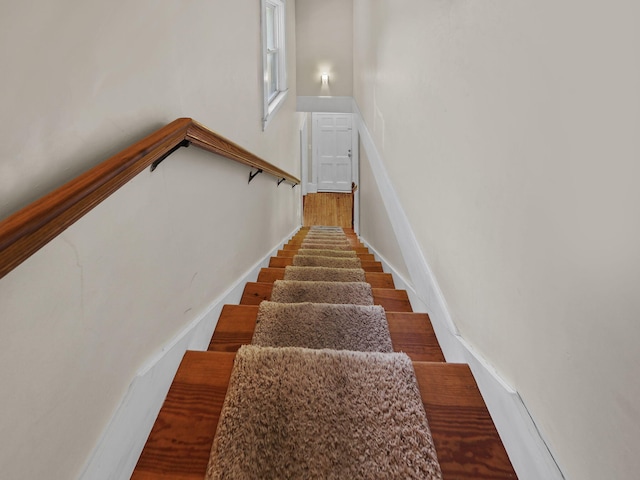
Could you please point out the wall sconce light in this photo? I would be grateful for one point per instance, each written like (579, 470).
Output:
(325, 78)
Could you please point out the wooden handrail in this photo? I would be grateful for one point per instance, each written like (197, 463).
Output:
(28, 230)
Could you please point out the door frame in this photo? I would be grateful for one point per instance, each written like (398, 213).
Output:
(311, 183)
(304, 155)
(355, 171)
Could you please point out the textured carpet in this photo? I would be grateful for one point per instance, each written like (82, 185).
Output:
(322, 228)
(324, 274)
(289, 291)
(321, 325)
(328, 235)
(328, 253)
(331, 262)
(323, 238)
(322, 414)
(324, 246)
(325, 235)
(326, 243)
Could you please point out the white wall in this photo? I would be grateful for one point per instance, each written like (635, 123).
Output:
(375, 225)
(510, 133)
(324, 32)
(80, 81)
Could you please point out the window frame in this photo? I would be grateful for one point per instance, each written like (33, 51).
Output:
(271, 103)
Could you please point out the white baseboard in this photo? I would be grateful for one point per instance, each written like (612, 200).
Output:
(524, 443)
(447, 337)
(119, 448)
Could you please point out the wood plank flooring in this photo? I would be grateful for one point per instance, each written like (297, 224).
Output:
(466, 441)
(328, 209)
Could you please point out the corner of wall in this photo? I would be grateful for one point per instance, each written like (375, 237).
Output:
(525, 446)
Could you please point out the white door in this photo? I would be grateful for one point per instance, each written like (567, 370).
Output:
(332, 151)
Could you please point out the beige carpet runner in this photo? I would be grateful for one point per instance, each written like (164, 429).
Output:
(319, 393)
(325, 246)
(321, 325)
(320, 261)
(326, 239)
(299, 413)
(325, 236)
(328, 253)
(324, 274)
(291, 291)
(326, 228)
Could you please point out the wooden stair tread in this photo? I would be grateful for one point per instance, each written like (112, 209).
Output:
(281, 262)
(466, 440)
(180, 442)
(179, 445)
(390, 299)
(235, 328)
(411, 333)
(298, 244)
(367, 257)
(297, 247)
(375, 279)
(302, 234)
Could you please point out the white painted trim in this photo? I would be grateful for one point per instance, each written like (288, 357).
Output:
(446, 337)
(304, 155)
(324, 104)
(117, 452)
(314, 152)
(423, 279)
(271, 107)
(524, 443)
(355, 173)
(528, 452)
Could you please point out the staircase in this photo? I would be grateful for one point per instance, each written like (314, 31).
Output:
(464, 436)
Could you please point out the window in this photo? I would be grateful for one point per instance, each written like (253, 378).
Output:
(274, 63)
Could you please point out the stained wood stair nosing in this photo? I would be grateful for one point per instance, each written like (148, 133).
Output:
(390, 299)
